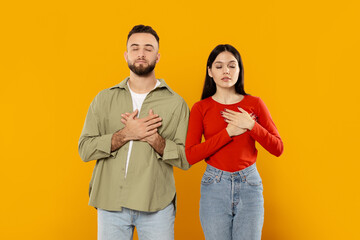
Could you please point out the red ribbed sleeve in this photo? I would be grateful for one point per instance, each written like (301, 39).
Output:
(195, 150)
(265, 131)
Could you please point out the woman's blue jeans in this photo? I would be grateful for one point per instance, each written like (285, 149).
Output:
(232, 204)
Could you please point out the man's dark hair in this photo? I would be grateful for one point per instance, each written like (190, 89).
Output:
(143, 29)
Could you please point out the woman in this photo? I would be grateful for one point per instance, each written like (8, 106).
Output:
(231, 204)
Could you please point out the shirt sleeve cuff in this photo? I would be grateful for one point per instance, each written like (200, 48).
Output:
(170, 151)
(104, 144)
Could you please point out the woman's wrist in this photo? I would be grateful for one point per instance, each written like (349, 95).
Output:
(252, 124)
(228, 131)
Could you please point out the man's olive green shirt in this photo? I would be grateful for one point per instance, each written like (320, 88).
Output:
(149, 184)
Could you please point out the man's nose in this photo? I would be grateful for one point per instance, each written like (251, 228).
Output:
(141, 53)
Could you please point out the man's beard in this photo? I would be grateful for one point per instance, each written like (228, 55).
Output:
(141, 70)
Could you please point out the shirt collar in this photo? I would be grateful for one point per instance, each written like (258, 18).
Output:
(123, 85)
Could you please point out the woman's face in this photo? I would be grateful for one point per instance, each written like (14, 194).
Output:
(225, 70)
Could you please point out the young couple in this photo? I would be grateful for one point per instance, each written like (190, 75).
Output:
(139, 129)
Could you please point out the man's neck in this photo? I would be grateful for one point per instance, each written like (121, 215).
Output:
(142, 84)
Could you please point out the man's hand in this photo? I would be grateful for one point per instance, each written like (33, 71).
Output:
(156, 141)
(139, 128)
(152, 122)
(135, 128)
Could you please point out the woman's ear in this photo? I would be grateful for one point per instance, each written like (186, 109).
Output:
(209, 72)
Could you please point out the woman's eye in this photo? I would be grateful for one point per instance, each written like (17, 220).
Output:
(233, 66)
(218, 67)
(147, 49)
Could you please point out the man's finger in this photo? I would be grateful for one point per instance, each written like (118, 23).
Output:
(125, 117)
(151, 132)
(153, 121)
(153, 126)
(134, 113)
(150, 117)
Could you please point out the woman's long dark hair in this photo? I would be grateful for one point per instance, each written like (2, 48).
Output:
(209, 85)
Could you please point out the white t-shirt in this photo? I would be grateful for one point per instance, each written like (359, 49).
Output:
(137, 101)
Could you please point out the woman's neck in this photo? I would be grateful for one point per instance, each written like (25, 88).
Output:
(227, 96)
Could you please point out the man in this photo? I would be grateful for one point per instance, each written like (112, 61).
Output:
(136, 131)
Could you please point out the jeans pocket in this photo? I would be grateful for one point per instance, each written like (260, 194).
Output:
(208, 178)
(253, 178)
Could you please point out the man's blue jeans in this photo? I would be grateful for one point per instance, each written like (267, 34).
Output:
(232, 204)
(150, 226)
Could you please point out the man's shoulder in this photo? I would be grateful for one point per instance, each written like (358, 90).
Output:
(175, 101)
(177, 97)
(108, 92)
(173, 95)
(104, 94)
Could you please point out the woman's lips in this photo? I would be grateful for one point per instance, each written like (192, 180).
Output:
(226, 79)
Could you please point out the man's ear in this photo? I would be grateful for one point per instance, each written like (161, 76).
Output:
(126, 55)
(158, 58)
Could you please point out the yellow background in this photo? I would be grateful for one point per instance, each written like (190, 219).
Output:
(300, 57)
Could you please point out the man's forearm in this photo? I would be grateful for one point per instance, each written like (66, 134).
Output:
(118, 139)
(157, 142)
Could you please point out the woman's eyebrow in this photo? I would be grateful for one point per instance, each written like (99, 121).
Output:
(232, 61)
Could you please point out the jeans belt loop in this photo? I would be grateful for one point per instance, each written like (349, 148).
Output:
(218, 176)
